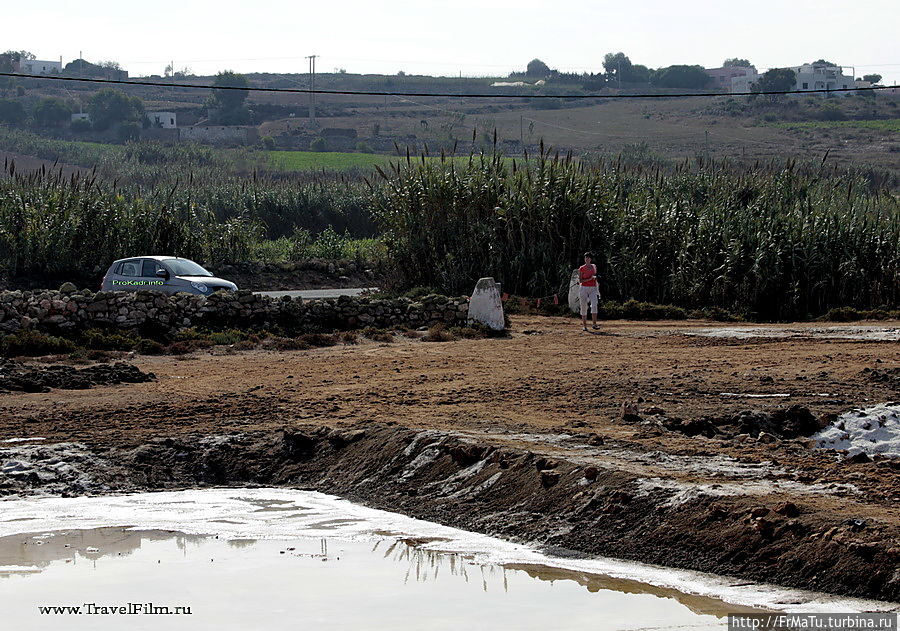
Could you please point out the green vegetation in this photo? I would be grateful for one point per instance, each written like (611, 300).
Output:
(328, 160)
(769, 242)
(890, 124)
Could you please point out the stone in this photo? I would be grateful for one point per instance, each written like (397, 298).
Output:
(574, 302)
(788, 509)
(766, 437)
(485, 306)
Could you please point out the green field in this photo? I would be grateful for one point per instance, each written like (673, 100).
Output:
(329, 160)
(888, 124)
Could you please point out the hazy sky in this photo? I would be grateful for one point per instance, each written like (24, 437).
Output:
(486, 37)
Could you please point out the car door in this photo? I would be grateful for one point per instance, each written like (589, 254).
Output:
(149, 279)
(128, 276)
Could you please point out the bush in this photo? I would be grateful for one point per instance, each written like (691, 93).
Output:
(377, 335)
(438, 333)
(81, 125)
(318, 144)
(107, 340)
(150, 347)
(318, 339)
(267, 142)
(33, 343)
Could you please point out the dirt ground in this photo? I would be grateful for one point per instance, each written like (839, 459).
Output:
(555, 393)
(549, 376)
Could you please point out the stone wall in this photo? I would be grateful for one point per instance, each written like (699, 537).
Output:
(71, 310)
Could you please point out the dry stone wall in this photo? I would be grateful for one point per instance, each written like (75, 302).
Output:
(71, 309)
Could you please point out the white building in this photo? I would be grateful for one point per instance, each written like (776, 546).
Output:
(165, 120)
(37, 66)
(821, 77)
(809, 77)
(744, 83)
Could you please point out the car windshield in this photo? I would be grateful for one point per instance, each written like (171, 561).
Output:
(184, 267)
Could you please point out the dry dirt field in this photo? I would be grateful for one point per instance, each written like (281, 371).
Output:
(548, 377)
(543, 410)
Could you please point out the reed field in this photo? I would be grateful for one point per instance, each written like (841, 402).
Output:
(771, 241)
(776, 240)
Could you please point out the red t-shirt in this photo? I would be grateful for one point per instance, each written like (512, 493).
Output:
(585, 272)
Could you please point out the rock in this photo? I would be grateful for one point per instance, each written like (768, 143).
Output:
(485, 306)
(590, 473)
(788, 509)
(630, 412)
(654, 411)
(760, 511)
(549, 478)
(766, 437)
(595, 440)
(858, 458)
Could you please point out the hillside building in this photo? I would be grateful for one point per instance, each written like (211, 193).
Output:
(722, 77)
(39, 66)
(821, 77)
(162, 120)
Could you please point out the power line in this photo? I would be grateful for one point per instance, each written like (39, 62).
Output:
(164, 84)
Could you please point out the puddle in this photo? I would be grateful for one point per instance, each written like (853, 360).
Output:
(862, 332)
(332, 565)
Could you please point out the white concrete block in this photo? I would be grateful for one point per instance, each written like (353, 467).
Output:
(574, 301)
(485, 305)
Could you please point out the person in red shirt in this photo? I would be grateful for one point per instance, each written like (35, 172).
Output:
(589, 291)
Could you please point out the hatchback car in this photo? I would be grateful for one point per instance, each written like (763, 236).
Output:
(168, 274)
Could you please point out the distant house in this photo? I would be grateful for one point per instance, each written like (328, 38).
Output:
(38, 66)
(722, 77)
(821, 77)
(744, 83)
(162, 120)
(81, 116)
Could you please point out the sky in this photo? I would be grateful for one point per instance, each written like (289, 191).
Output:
(453, 37)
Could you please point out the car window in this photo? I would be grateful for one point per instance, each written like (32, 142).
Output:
(185, 267)
(131, 268)
(117, 268)
(150, 267)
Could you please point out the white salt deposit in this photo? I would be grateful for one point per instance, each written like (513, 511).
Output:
(874, 430)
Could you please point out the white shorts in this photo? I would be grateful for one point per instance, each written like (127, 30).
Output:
(588, 295)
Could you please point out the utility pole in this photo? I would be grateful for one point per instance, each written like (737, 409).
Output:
(312, 86)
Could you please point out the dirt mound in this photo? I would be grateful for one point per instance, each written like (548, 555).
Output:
(792, 422)
(888, 376)
(17, 376)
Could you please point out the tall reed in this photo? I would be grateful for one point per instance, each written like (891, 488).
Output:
(770, 241)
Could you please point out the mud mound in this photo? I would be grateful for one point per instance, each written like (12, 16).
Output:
(792, 422)
(17, 376)
(889, 376)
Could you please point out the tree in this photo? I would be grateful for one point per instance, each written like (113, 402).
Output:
(776, 80)
(8, 60)
(872, 78)
(537, 69)
(637, 74)
(11, 112)
(680, 76)
(617, 66)
(110, 106)
(230, 99)
(822, 62)
(50, 112)
(735, 62)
